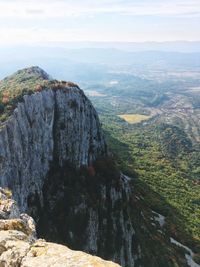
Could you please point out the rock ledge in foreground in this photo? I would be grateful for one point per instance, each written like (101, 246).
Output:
(19, 246)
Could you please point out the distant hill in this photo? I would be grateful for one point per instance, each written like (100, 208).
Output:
(72, 61)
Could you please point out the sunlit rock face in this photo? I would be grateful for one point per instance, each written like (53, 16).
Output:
(48, 126)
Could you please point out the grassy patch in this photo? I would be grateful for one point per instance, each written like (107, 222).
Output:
(134, 118)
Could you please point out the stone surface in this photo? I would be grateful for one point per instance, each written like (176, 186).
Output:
(51, 125)
(20, 248)
(49, 254)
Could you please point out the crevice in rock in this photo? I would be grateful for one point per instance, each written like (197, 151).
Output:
(54, 128)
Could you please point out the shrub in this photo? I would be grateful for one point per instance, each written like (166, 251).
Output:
(5, 98)
(38, 88)
(71, 84)
(196, 258)
(8, 192)
(73, 103)
(91, 170)
(2, 108)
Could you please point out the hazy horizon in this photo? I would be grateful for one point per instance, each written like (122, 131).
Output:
(170, 46)
(44, 32)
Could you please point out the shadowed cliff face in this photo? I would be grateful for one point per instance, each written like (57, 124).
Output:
(54, 159)
(89, 210)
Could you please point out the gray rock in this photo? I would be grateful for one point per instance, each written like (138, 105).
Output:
(51, 125)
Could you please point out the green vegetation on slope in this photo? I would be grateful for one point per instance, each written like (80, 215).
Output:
(167, 169)
(169, 177)
(163, 152)
(23, 82)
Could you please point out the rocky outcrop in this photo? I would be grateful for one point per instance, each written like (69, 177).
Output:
(53, 157)
(47, 126)
(20, 248)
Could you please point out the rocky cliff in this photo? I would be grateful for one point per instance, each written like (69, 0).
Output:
(51, 125)
(53, 157)
(19, 246)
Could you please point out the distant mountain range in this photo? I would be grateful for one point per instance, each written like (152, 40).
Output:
(175, 46)
(79, 56)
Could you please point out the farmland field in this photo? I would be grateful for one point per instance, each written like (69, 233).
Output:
(134, 118)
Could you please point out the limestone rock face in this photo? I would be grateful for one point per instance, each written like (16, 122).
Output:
(20, 248)
(53, 157)
(48, 126)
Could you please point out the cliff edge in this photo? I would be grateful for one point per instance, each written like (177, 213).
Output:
(19, 246)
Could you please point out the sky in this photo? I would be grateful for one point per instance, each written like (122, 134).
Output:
(49, 21)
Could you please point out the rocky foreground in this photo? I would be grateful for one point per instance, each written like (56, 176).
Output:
(19, 246)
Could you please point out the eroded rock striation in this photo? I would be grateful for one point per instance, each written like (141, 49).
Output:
(47, 126)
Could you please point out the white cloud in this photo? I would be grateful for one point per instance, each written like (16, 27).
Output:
(77, 8)
(43, 36)
(33, 20)
(35, 35)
